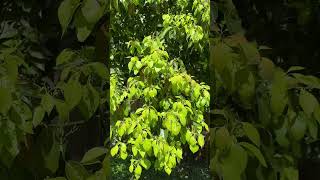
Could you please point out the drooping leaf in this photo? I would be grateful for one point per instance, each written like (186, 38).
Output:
(75, 171)
(52, 158)
(83, 27)
(235, 163)
(92, 10)
(278, 91)
(295, 68)
(65, 12)
(255, 151)
(308, 102)
(93, 154)
(222, 138)
(299, 127)
(252, 133)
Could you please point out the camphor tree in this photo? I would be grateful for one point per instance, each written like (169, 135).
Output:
(157, 106)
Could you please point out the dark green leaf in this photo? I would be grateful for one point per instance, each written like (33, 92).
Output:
(5, 100)
(75, 171)
(255, 151)
(93, 154)
(252, 133)
(65, 12)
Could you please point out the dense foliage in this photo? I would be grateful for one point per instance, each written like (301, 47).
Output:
(157, 107)
(264, 116)
(50, 89)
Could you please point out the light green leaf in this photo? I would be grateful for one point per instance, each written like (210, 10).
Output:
(194, 148)
(201, 140)
(145, 163)
(138, 170)
(131, 168)
(167, 170)
(38, 116)
(93, 154)
(114, 150)
(255, 151)
(147, 145)
(134, 150)
(65, 12)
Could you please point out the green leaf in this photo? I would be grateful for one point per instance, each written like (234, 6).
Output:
(278, 91)
(222, 55)
(47, 102)
(131, 168)
(5, 100)
(295, 68)
(65, 12)
(235, 163)
(92, 10)
(66, 56)
(310, 81)
(93, 154)
(72, 93)
(290, 173)
(255, 151)
(299, 127)
(145, 163)
(201, 140)
(100, 69)
(38, 116)
(312, 127)
(167, 170)
(138, 170)
(250, 53)
(63, 110)
(75, 171)
(252, 133)
(123, 155)
(222, 138)
(308, 102)
(147, 145)
(194, 148)
(114, 150)
(83, 27)
(52, 158)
